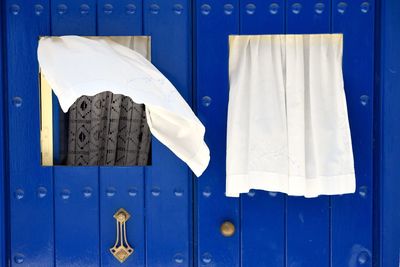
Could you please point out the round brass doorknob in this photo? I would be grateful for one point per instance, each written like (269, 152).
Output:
(227, 229)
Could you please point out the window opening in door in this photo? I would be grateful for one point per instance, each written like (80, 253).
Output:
(105, 129)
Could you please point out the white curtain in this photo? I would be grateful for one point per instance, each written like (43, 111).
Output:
(76, 66)
(288, 128)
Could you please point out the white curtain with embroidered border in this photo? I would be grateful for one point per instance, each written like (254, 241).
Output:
(288, 128)
(76, 66)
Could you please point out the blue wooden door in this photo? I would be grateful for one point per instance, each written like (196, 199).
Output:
(273, 229)
(63, 216)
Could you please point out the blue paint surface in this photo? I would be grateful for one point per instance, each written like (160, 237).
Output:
(307, 220)
(73, 17)
(351, 215)
(76, 208)
(168, 181)
(30, 185)
(119, 17)
(3, 188)
(214, 22)
(262, 213)
(122, 187)
(388, 243)
(76, 189)
(62, 216)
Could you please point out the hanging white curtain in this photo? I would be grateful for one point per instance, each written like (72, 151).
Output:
(288, 128)
(76, 66)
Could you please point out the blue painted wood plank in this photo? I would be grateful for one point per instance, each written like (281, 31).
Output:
(307, 220)
(262, 17)
(307, 232)
(3, 155)
(73, 17)
(389, 222)
(262, 229)
(168, 180)
(308, 16)
(122, 187)
(76, 189)
(214, 21)
(262, 213)
(169, 23)
(31, 204)
(351, 219)
(119, 17)
(76, 202)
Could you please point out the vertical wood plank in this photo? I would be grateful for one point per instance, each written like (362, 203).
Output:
(262, 213)
(307, 220)
(76, 216)
(31, 204)
(121, 187)
(73, 17)
(262, 17)
(308, 16)
(389, 133)
(215, 20)
(76, 189)
(119, 17)
(3, 145)
(351, 220)
(168, 180)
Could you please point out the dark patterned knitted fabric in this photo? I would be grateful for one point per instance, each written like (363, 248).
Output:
(107, 129)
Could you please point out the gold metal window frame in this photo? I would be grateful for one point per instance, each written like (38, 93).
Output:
(46, 122)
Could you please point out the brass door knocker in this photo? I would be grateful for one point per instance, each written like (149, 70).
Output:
(121, 249)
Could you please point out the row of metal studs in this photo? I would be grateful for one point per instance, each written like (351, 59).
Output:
(250, 8)
(87, 192)
(274, 8)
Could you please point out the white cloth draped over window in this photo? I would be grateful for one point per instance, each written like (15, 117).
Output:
(76, 66)
(288, 128)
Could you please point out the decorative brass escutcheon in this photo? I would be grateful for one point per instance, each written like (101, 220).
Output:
(121, 249)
